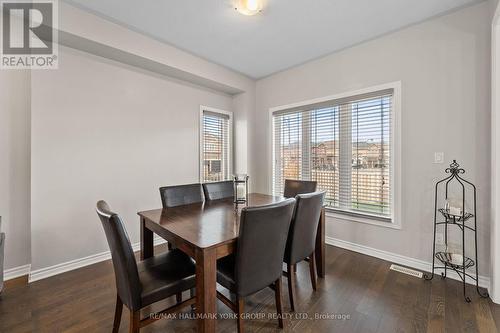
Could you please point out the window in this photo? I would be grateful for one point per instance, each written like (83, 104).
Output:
(346, 145)
(215, 145)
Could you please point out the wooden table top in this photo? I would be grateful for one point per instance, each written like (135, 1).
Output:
(207, 224)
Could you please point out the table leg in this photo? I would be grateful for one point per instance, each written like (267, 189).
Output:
(320, 245)
(206, 297)
(147, 249)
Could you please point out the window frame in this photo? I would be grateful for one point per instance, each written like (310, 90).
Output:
(229, 114)
(394, 221)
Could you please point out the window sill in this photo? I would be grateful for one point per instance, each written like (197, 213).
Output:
(361, 219)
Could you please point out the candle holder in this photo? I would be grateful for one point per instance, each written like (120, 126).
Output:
(240, 182)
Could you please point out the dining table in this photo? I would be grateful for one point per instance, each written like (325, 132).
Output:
(208, 231)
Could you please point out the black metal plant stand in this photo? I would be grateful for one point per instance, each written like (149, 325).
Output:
(465, 222)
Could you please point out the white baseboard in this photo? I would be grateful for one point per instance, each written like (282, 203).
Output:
(46, 272)
(399, 259)
(82, 262)
(16, 272)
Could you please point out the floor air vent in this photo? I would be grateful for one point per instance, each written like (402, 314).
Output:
(406, 270)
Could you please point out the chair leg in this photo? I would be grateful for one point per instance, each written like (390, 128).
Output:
(118, 314)
(312, 270)
(291, 285)
(178, 297)
(135, 318)
(240, 305)
(169, 246)
(279, 305)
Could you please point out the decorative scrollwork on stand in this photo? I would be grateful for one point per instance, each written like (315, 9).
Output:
(454, 168)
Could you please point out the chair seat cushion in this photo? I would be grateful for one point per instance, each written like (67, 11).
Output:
(165, 275)
(225, 273)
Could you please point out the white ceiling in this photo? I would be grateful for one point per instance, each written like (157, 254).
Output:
(285, 34)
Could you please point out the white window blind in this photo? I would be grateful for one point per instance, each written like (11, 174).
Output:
(215, 146)
(344, 145)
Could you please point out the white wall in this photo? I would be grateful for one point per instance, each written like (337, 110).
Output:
(494, 7)
(181, 64)
(101, 130)
(14, 165)
(495, 153)
(444, 67)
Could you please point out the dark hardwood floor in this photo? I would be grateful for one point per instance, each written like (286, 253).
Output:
(359, 290)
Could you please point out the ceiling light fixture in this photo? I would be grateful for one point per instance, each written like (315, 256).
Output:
(248, 7)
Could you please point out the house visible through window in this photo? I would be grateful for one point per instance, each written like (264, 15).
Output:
(215, 145)
(344, 145)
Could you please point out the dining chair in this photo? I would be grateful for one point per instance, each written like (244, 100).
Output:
(301, 240)
(218, 190)
(178, 195)
(140, 284)
(294, 187)
(257, 262)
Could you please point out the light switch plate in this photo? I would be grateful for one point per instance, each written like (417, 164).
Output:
(439, 157)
